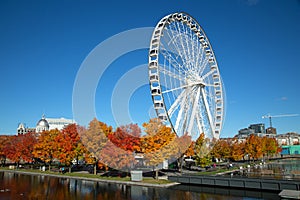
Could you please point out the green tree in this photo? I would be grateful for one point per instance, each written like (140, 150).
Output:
(202, 151)
(270, 146)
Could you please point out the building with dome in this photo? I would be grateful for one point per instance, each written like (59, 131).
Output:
(42, 125)
(46, 124)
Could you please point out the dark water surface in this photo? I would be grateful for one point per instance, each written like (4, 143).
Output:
(21, 186)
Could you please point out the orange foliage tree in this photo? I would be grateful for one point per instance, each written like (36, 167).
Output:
(69, 146)
(253, 147)
(237, 150)
(47, 146)
(222, 149)
(158, 143)
(157, 136)
(180, 147)
(94, 139)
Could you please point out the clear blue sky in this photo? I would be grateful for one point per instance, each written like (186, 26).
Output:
(43, 44)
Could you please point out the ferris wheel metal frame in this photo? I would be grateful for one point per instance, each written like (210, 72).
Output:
(185, 82)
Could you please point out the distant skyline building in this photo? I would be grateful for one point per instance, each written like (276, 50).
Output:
(271, 130)
(245, 132)
(258, 128)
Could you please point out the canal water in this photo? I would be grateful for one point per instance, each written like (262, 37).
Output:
(286, 169)
(15, 186)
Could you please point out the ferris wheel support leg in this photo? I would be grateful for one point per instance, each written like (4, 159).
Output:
(195, 105)
(182, 106)
(198, 120)
(175, 104)
(207, 110)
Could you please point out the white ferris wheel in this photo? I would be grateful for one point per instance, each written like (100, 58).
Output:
(185, 81)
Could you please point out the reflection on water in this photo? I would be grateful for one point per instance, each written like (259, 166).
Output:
(20, 186)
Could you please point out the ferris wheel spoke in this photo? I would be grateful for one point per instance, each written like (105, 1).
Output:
(171, 74)
(203, 65)
(185, 38)
(199, 56)
(194, 55)
(175, 36)
(184, 86)
(184, 55)
(206, 107)
(170, 57)
(208, 74)
(173, 61)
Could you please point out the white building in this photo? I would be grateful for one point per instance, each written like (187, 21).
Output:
(52, 123)
(59, 123)
(46, 124)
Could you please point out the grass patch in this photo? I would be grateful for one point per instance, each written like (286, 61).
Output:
(155, 181)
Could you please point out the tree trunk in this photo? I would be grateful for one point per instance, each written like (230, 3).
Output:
(181, 164)
(156, 173)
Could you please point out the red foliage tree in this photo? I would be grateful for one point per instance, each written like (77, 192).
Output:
(20, 148)
(69, 145)
(127, 138)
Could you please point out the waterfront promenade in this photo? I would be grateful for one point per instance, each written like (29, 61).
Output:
(124, 182)
(224, 179)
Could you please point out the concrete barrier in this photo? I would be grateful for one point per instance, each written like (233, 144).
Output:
(233, 182)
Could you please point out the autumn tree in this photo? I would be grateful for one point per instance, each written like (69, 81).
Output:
(20, 148)
(127, 138)
(4, 141)
(117, 158)
(156, 143)
(91, 160)
(190, 152)
(94, 138)
(222, 149)
(11, 151)
(47, 147)
(237, 150)
(69, 146)
(182, 146)
(157, 136)
(253, 147)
